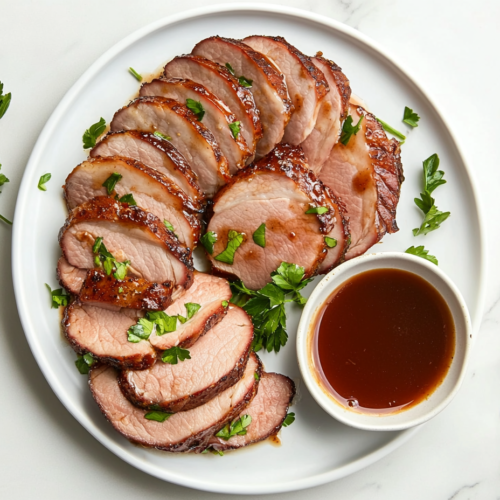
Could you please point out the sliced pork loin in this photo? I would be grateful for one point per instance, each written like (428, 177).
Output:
(277, 191)
(151, 190)
(70, 277)
(268, 410)
(216, 115)
(103, 333)
(226, 87)
(267, 85)
(155, 152)
(332, 113)
(174, 120)
(306, 83)
(209, 292)
(182, 432)
(129, 233)
(366, 174)
(217, 362)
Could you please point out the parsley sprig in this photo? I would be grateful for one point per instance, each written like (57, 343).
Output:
(420, 251)
(236, 428)
(410, 117)
(348, 129)
(267, 305)
(4, 101)
(58, 297)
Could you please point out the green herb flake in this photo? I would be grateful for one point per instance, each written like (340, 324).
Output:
(420, 251)
(164, 323)
(256, 376)
(7, 221)
(175, 354)
(348, 130)
(259, 236)
(208, 240)
(245, 82)
(3, 178)
(317, 210)
(196, 107)
(330, 242)
(410, 117)
(162, 136)
(230, 68)
(111, 182)
(392, 131)
(92, 133)
(157, 416)
(134, 73)
(191, 309)
(58, 297)
(235, 129)
(433, 177)
(4, 101)
(83, 363)
(170, 227)
(43, 180)
(225, 303)
(129, 199)
(120, 290)
(121, 269)
(289, 419)
(236, 428)
(234, 240)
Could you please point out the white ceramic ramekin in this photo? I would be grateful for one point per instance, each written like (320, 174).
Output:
(443, 394)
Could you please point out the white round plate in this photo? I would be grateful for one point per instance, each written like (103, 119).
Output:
(316, 448)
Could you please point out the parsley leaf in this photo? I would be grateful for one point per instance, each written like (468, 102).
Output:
(422, 252)
(170, 227)
(208, 240)
(92, 133)
(43, 180)
(191, 309)
(235, 129)
(348, 129)
(234, 240)
(162, 136)
(164, 323)
(432, 221)
(317, 210)
(128, 198)
(410, 117)
(58, 297)
(140, 331)
(230, 68)
(111, 182)
(245, 82)
(175, 354)
(104, 257)
(290, 277)
(392, 131)
(136, 75)
(83, 363)
(236, 428)
(3, 178)
(259, 237)
(196, 107)
(4, 101)
(121, 269)
(225, 303)
(425, 202)
(330, 242)
(7, 221)
(433, 177)
(256, 376)
(289, 419)
(158, 416)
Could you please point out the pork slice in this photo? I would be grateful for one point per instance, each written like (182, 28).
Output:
(276, 191)
(174, 120)
(366, 174)
(71, 278)
(154, 152)
(103, 333)
(332, 113)
(182, 432)
(209, 292)
(226, 87)
(268, 410)
(129, 233)
(268, 85)
(217, 116)
(217, 362)
(306, 83)
(151, 190)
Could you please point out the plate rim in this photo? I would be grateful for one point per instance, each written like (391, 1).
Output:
(21, 206)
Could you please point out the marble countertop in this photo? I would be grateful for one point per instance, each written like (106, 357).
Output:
(46, 45)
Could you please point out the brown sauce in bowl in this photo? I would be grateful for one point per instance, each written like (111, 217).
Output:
(385, 341)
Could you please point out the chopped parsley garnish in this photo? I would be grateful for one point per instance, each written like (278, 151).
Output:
(422, 252)
(234, 240)
(317, 210)
(433, 177)
(236, 428)
(3, 178)
(58, 297)
(330, 242)
(120, 290)
(348, 130)
(259, 237)
(392, 131)
(191, 309)
(43, 180)
(225, 303)
(162, 136)
(213, 451)
(104, 257)
(91, 134)
(158, 416)
(128, 198)
(7, 221)
(256, 376)
(235, 129)
(433, 217)
(83, 363)
(111, 182)
(196, 107)
(289, 419)
(134, 73)
(169, 227)
(208, 240)
(175, 354)
(245, 82)
(157, 321)
(230, 68)
(140, 331)
(410, 117)
(4, 101)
